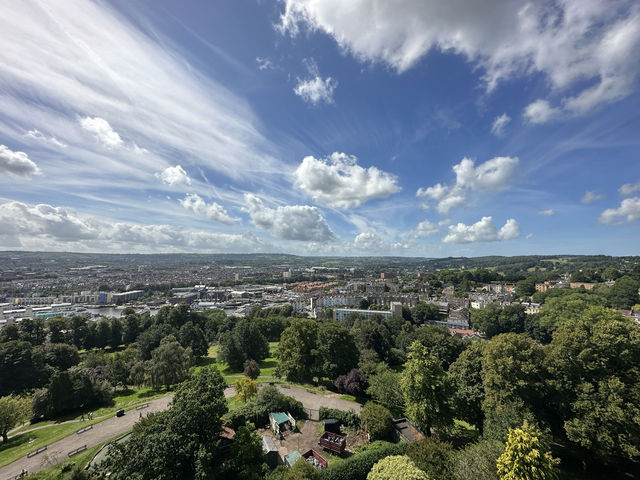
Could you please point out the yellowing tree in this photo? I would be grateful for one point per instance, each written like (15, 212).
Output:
(526, 456)
(396, 467)
(13, 410)
(246, 388)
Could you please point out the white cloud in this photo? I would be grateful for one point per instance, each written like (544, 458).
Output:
(628, 211)
(572, 42)
(368, 241)
(492, 175)
(315, 89)
(591, 196)
(482, 231)
(175, 175)
(58, 65)
(338, 181)
(499, 124)
(541, 111)
(425, 229)
(213, 211)
(16, 163)
(45, 227)
(548, 212)
(291, 222)
(629, 188)
(103, 132)
(38, 135)
(264, 63)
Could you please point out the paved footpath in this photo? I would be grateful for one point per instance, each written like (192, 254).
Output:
(103, 431)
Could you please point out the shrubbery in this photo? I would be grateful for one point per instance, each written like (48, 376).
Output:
(358, 466)
(257, 410)
(347, 418)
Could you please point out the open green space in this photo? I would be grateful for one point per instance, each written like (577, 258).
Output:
(231, 376)
(23, 443)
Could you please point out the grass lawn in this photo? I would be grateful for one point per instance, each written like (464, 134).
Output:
(19, 445)
(231, 376)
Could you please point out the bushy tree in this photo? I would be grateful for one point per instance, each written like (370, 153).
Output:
(466, 380)
(354, 383)
(251, 369)
(243, 342)
(377, 420)
(396, 467)
(432, 456)
(384, 388)
(426, 390)
(594, 364)
(478, 461)
(247, 459)
(191, 336)
(13, 411)
(297, 351)
(526, 456)
(245, 389)
(169, 363)
(624, 293)
(336, 350)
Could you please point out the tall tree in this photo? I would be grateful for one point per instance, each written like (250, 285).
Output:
(526, 456)
(377, 421)
(466, 378)
(192, 336)
(169, 363)
(426, 390)
(624, 293)
(297, 351)
(595, 369)
(337, 351)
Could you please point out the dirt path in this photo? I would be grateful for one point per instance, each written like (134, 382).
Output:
(101, 432)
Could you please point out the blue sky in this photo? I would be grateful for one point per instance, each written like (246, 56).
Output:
(321, 127)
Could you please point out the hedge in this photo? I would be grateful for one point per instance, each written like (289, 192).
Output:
(357, 466)
(347, 418)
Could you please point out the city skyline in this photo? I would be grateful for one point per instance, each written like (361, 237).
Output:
(320, 128)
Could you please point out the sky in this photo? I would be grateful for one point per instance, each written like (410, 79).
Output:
(321, 127)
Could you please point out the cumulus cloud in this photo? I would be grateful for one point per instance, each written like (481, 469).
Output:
(425, 229)
(213, 211)
(499, 124)
(482, 231)
(338, 181)
(571, 42)
(291, 222)
(175, 175)
(627, 212)
(591, 196)
(17, 163)
(492, 175)
(541, 111)
(59, 227)
(41, 137)
(548, 212)
(103, 132)
(629, 188)
(315, 89)
(368, 241)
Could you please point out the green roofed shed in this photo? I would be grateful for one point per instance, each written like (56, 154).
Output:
(292, 458)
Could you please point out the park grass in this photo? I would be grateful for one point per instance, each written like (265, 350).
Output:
(231, 376)
(18, 445)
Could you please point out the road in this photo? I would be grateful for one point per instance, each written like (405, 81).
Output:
(114, 426)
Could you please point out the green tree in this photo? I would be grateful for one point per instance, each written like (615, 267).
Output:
(131, 328)
(19, 368)
(246, 388)
(247, 457)
(396, 467)
(494, 320)
(297, 351)
(378, 421)
(169, 363)
(336, 350)
(243, 342)
(182, 442)
(526, 456)
(302, 470)
(432, 456)
(58, 330)
(426, 390)
(513, 372)
(103, 333)
(33, 330)
(478, 461)
(118, 371)
(467, 381)
(115, 333)
(251, 369)
(13, 411)
(594, 364)
(525, 288)
(384, 388)
(624, 293)
(79, 331)
(191, 336)
(439, 342)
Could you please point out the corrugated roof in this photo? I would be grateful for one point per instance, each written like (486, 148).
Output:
(280, 417)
